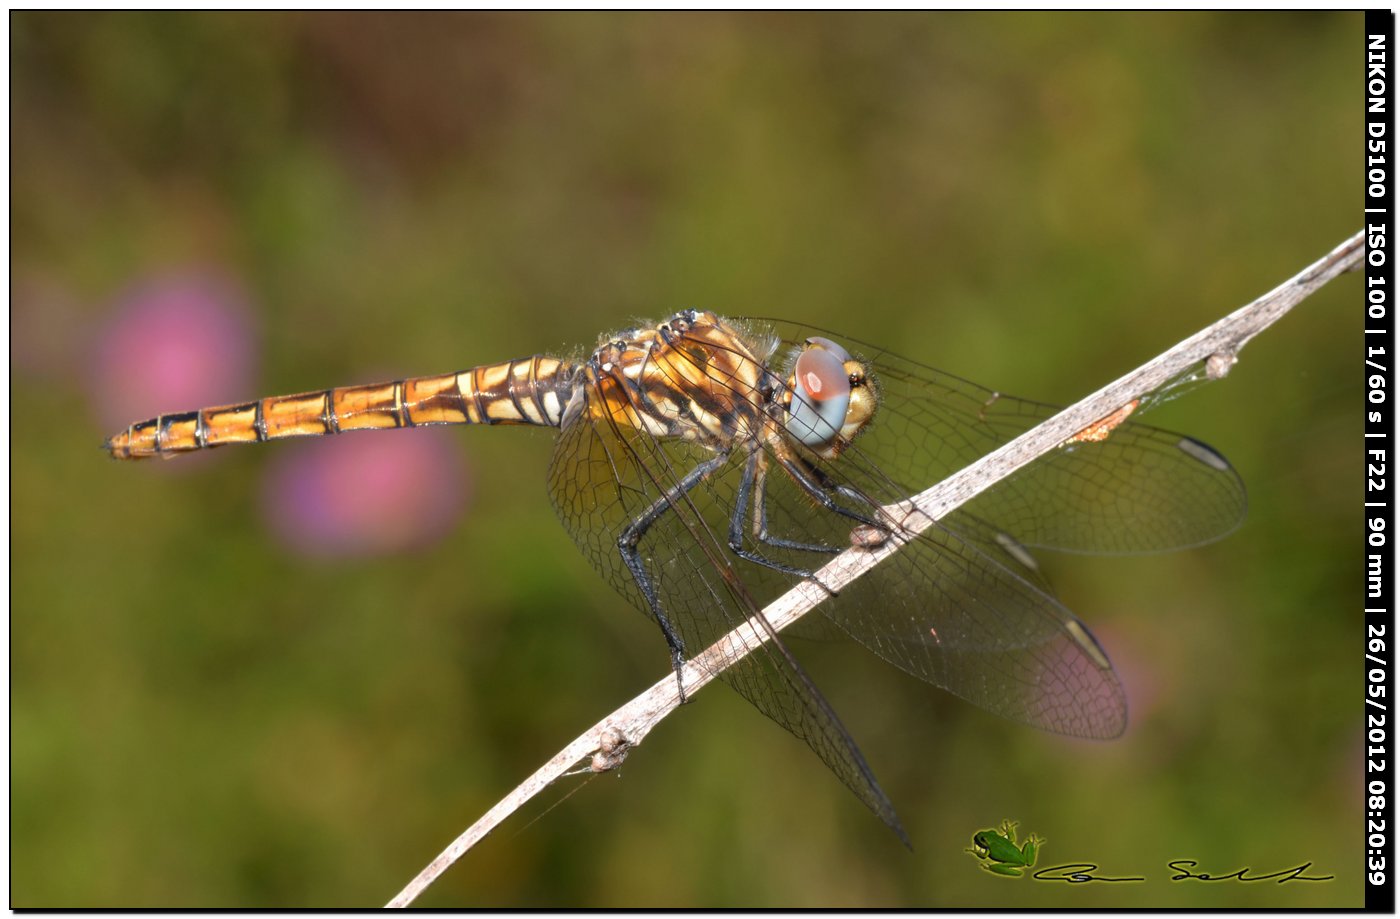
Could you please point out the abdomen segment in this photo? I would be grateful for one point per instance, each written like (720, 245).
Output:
(532, 390)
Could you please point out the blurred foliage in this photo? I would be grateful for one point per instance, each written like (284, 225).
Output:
(1035, 201)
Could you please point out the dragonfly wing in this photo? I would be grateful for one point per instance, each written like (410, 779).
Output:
(964, 608)
(603, 476)
(944, 610)
(1139, 489)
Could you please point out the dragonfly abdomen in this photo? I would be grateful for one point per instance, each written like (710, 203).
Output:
(531, 390)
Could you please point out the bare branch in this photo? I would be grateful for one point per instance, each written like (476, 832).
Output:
(1210, 353)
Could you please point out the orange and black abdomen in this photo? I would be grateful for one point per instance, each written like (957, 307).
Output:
(533, 390)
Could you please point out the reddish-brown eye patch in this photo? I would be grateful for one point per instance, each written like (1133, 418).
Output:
(821, 375)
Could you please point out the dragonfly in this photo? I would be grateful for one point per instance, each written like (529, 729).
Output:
(705, 465)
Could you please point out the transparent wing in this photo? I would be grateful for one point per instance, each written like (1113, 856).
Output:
(966, 623)
(1141, 489)
(602, 478)
(960, 607)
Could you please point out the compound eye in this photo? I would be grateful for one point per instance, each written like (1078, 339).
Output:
(826, 344)
(821, 395)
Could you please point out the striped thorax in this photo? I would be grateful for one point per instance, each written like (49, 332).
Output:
(692, 377)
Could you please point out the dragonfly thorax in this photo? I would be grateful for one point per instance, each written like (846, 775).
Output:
(696, 377)
(693, 377)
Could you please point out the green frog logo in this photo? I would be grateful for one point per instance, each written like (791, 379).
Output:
(999, 853)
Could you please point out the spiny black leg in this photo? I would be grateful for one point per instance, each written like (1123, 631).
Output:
(761, 524)
(753, 476)
(629, 541)
(817, 484)
(824, 481)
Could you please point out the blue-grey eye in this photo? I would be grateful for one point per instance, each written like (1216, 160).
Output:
(821, 394)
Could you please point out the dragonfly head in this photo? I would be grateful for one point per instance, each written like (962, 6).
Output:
(830, 398)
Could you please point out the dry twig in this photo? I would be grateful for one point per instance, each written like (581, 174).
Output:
(1211, 352)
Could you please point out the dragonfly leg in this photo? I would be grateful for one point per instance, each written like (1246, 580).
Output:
(629, 542)
(752, 491)
(760, 524)
(820, 487)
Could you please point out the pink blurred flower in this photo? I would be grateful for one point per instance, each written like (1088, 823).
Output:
(172, 344)
(366, 493)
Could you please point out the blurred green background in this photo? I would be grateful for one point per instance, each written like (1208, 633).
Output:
(202, 716)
